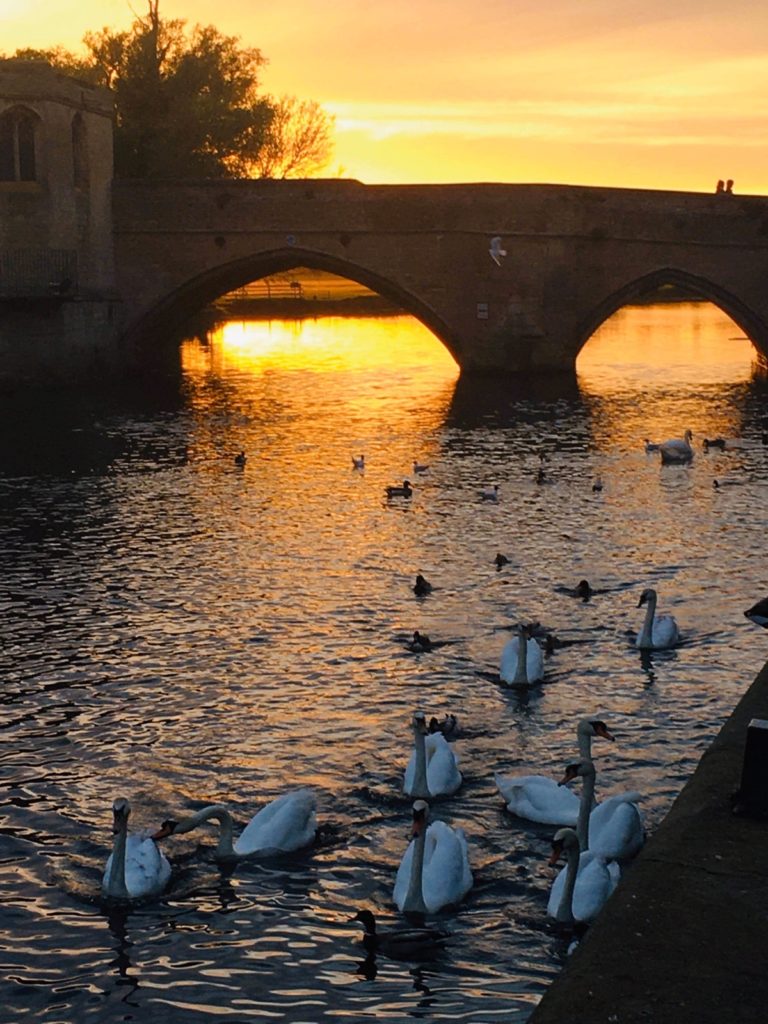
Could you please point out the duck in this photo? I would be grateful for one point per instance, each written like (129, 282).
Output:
(420, 467)
(358, 462)
(404, 491)
(285, 824)
(522, 660)
(541, 475)
(597, 486)
(420, 643)
(422, 586)
(490, 493)
(716, 442)
(240, 459)
(433, 769)
(583, 590)
(678, 449)
(612, 829)
(659, 632)
(651, 446)
(541, 798)
(434, 872)
(136, 869)
(758, 613)
(401, 943)
(582, 887)
(449, 726)
(500, 560)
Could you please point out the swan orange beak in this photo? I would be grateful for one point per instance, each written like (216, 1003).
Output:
(602, 730)
(165, 830)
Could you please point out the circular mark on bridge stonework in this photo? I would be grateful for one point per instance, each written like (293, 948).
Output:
(345, 239)
(220, 241)
(290, 239)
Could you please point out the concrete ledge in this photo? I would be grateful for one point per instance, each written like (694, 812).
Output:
(684, 939)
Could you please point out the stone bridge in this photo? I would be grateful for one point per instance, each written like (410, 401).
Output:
(574, 256)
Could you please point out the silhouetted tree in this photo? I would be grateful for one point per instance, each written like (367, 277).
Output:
(298, 140)
(187, 104)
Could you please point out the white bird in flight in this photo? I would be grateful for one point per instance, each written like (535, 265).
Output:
(496, 251)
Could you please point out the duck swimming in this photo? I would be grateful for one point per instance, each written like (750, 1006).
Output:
(241, 459)
(420, 643)
(402, 943)
(422, 586)
(501, 560)
(358, 462)
(404, 491)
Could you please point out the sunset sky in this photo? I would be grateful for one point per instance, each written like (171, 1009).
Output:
(646, 94)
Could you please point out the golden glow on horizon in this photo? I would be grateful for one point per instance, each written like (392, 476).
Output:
(670, 98)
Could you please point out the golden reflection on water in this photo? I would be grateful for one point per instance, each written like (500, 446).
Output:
(325, 345)
(654, 371)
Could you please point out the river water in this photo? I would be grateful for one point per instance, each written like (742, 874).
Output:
(179, 630)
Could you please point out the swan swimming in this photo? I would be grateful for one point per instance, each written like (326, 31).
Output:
(678, 449)
(612, 829)
(432, 769)
(541, 798)
(659, 631)
(522, 660)
(287, 823)
(434, 871)
(136, 868)
(582, 887)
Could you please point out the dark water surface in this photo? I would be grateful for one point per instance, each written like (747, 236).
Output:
(181, 631)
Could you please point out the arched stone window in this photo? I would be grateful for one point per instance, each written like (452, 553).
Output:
(17, 145)
(79, 152)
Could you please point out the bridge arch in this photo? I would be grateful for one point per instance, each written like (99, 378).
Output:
(750, 323)
(170, 313)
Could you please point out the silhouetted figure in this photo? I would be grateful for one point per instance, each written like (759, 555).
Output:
(720, 187)
(422, 586)
(729, 187)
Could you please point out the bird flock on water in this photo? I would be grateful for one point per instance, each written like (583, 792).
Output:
(597, 838)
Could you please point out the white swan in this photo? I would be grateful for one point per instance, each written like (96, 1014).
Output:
(541, 798)
(612, 829)
(136, 868)
(434, 871)
(432, 769)
(678, 449)
(286, 824)
(659, 631)
(582, 887)
(522, 660)
(758, 613)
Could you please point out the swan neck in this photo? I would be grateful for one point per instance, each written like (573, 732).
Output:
(414, 900)
(521, 669)
(218, 813)
(647, 630)
(586, 805)
(115, 884)
(565, 908)
(584, 736)
(420, 782)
